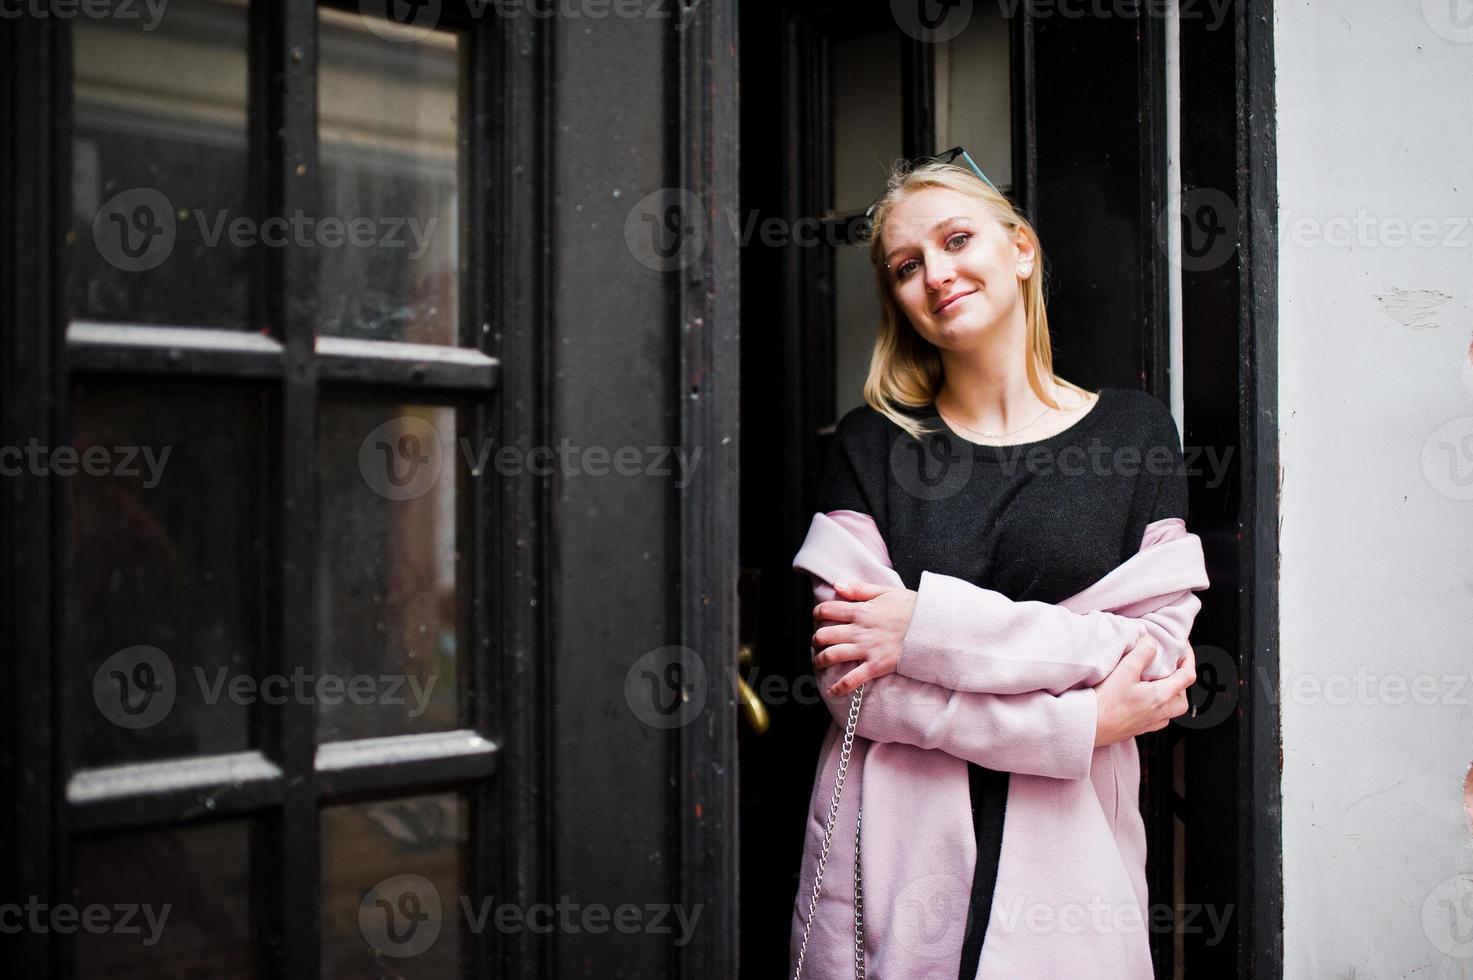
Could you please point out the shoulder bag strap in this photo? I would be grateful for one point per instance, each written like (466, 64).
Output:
(823, 854)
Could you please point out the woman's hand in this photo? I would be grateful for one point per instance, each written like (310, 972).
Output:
(1129, 706)
(871, 626)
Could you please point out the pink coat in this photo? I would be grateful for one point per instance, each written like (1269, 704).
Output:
(1006, 685)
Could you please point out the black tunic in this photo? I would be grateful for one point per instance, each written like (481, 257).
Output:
(1034, 521)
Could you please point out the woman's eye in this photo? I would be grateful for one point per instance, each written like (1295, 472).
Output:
(964, 236)
(906, 268)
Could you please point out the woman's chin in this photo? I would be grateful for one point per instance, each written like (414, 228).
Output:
(962, 332)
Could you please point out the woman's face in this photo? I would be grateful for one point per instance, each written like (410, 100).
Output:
(954, 269)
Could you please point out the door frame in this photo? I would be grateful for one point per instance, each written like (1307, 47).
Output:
(1230, 319)
(708, 301)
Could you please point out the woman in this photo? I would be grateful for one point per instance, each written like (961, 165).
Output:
(1024, 597)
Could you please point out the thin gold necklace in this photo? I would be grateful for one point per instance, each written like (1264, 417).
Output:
(993, 435)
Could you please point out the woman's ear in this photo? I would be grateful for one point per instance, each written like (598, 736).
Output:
(1026, 253)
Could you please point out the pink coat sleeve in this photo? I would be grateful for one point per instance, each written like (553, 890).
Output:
(967, 638)
(1035, 732)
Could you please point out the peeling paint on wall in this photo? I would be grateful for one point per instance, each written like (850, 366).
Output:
(1414, 307)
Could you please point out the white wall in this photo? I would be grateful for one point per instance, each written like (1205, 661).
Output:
(1375, 113)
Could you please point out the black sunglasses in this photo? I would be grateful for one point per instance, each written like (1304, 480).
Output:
(946, 156)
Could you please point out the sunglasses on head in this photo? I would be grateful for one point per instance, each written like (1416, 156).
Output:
(945, 156)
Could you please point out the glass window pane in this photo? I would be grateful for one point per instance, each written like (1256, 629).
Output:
(159, 166)
(389, 568)
(189, 892)
(867, 139)
(163, 602)
(393, 874)
(974, 101)
(856, 322)
(865, 80)
(392, 146)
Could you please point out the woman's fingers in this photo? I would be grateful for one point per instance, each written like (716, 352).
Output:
(1137, 658)
(1178, 680)
(1172, 692)
(851, 681)
(827, 635)
(836, 610)
(861, 591)
(837, 654)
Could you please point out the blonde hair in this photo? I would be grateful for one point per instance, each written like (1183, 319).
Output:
(905, 369)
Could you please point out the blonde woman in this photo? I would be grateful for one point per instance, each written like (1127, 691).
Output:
(1004, 575)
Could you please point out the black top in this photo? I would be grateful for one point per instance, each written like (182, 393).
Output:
(1034, 521)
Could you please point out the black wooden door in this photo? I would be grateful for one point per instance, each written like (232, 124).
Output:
(371, 274)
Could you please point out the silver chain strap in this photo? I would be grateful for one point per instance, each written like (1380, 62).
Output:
(823, 854)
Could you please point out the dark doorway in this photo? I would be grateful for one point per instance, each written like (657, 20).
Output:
(1068, 117)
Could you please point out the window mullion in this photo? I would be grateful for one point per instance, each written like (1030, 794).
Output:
(288, 85)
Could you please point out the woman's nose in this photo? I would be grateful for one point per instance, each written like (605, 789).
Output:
(939, 271)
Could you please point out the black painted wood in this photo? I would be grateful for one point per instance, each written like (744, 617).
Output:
(614, 573)
(28, 175)
(292, 858)
(709, 364)
(516, 617)
(1260, 794)
(1234, 861)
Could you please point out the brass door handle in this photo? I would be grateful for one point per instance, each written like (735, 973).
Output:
(752, 706)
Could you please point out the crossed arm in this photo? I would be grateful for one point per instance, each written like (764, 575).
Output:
(1035, 732)
(967, 638)
(1040, 732)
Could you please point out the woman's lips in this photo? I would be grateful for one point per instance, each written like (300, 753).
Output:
(951, 303)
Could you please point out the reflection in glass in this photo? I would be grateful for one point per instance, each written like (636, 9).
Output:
(159, 166)
(166, 550)
(867, 128)
(190, 888)
(392, 150)
(974, 95)
(393, 876)
(389, 567)
(865, 80)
